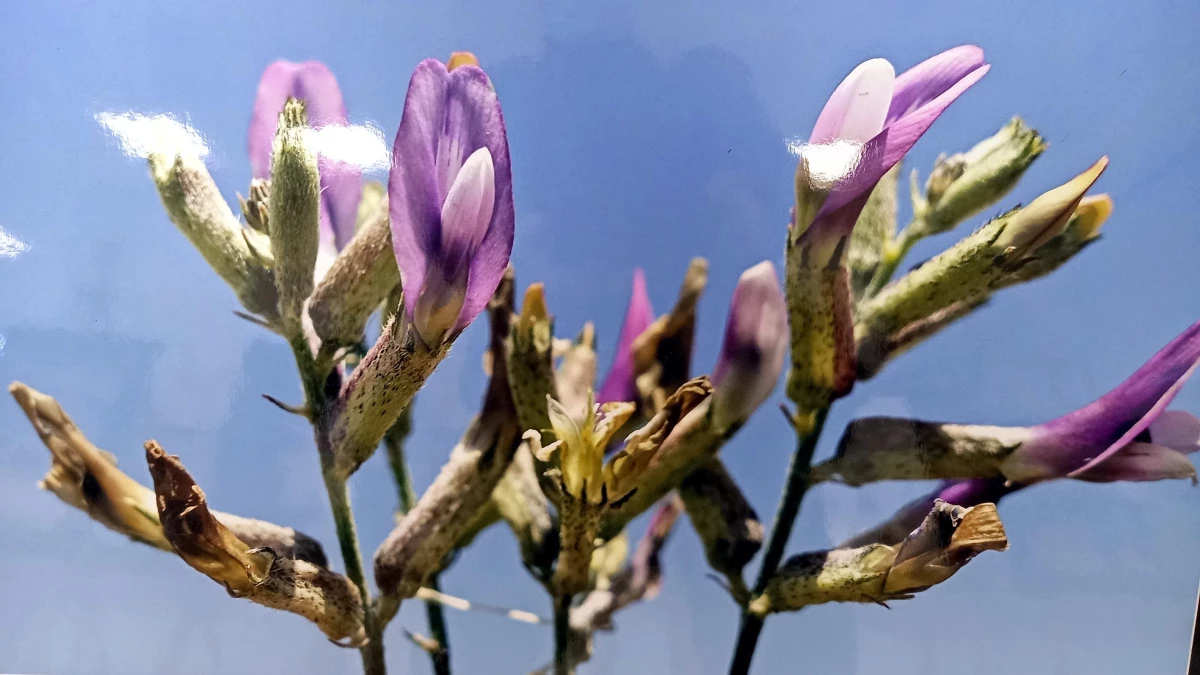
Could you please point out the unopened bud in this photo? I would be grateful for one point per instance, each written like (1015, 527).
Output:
(295, 213)
(726, 523)
(754, 349)
(360, 278)
(965, 184)
(1017, 246)
(194, 204)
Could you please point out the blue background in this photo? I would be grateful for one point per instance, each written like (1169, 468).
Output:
(642, 133)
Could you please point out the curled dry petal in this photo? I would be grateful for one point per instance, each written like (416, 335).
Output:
(87, 478)
(948, 538)
(662, 354)
(258, 574)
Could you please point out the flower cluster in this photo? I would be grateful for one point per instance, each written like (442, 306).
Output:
(568, 464)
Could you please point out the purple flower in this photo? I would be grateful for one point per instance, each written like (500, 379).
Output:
(869, 123)
(1125, 434)
(754, 348)
(341, 183)
(619, 383)
(450, 198)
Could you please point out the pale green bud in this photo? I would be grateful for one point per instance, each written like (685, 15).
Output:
(965, 184)
(295, 212)
(1017, 246)
(237, 254)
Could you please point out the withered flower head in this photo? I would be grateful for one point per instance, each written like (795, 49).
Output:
(258, 574)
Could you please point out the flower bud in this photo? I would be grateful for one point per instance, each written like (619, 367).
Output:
(529, 358)
(754, 349)
(295, 214)
(723, 518)
(360, 278)
(965, 184)
(194, 204)
(1016, 246)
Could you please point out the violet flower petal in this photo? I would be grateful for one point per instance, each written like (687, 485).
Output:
(887, 148)
(1177, 430)
(1082, 439)
(1140, 462)
(619, 383)
(448, 116)
(857, 109)
(929, 79)
(311, 81)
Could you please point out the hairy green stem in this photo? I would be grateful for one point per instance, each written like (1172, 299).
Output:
(781, 530)
(343, 518)
(893, 255)
(314, 372)
(562, 635)
(436, 618)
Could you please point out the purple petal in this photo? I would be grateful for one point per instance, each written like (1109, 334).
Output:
(311, 81)
(883, 151)
(484, 123)
(467, 211)
(1140, 462)
(1177, 430)
(414, 199)
(929, 79)
(448, 116)
(755, 345)
(1082, 439)
(341, 190)
(619, 383)
(276, 85)
(857, 109)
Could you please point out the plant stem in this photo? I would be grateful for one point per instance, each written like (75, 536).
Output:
(343, 518)
(562, 635)
(785, 518)
(437, 630)
(894, 254)
(435, 617)
(314, 372)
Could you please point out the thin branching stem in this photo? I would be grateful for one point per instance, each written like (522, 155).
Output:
(562, 635)
(435, 616)
(314, 373)
(785, 518)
